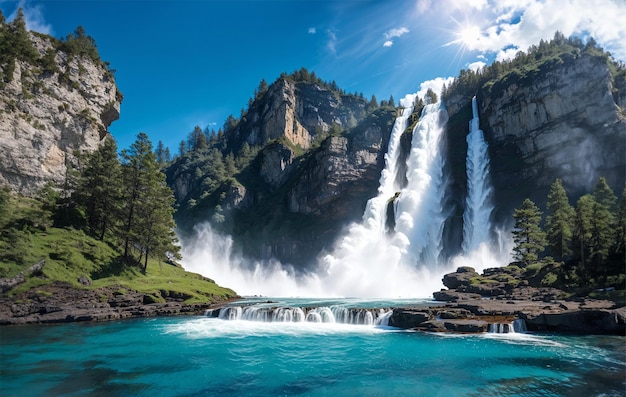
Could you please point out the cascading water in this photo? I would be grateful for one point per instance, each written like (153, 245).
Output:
(420, 214)
(478, 204)
(322, 314)
(375, 214)
(515, 327)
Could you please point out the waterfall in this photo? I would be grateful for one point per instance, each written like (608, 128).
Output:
(478, 205)
(367, 260)
(375, 216)
(420, 214)
(515, 327)
(322, 314)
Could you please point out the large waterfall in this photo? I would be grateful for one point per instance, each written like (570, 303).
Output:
(478, 203)
(376, 209)
(368, 260)
(420, 213)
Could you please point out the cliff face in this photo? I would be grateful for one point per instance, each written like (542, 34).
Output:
(47, 116)
(320, 154)
(299, 112)
(568, 122)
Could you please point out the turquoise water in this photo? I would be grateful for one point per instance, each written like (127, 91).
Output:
(200, 356)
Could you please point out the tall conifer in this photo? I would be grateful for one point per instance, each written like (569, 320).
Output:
(559, 221)
(528, 237)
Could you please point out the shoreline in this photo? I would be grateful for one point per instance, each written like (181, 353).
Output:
(454, 312)
(59, 303)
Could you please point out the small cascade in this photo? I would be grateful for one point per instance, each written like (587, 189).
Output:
(383, 318)
(515, 327)
(478, 203)
(323, 314)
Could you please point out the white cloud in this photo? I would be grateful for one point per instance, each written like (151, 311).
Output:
(388, 43)
(476, 66)
(331, 44)
(396, 32)
(506, 55)
(436, 85)
(33, 16)
(312, 30)
(520, 24)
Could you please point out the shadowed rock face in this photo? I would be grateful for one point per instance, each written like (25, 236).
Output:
(48, 119)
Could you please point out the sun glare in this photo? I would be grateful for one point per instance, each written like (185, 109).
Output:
(468, 36)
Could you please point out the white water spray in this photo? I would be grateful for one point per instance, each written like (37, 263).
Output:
(478, 203)
(419, 213)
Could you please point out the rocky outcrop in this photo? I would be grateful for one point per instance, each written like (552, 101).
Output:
(298, 111)
(46, 117)
(7, 284)
(508, 297)
(61, 303)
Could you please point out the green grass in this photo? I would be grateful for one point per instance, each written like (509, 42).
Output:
(70, 254)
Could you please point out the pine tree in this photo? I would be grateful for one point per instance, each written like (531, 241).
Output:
(148, 222)
(99, 189)
(182, 148)
(604, 195)
(603, 226)
(620, 249)
(197, 140)
(559, 221)
(528, 237)
(160, 154)
(582, 230)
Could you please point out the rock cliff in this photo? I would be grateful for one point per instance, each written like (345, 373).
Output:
(47, 115)
(319, 156)
(568, 121)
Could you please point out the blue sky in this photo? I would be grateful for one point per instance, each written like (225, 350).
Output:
(186, 63)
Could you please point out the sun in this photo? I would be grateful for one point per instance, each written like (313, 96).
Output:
(468, 36)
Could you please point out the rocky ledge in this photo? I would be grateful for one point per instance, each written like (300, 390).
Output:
(471, 307)
(61, 303)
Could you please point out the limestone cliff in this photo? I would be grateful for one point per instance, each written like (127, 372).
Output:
(48, 114)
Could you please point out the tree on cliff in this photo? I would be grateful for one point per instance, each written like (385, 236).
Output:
(528, 237)
(559, 221)
(15, 44)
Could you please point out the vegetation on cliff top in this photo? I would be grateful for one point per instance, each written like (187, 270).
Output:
(16, 45)
(526, 66)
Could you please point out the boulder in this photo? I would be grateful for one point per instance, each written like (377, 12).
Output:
(462, 276)
(408, 318)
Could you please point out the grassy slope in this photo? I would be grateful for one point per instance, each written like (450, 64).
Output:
(70, 254)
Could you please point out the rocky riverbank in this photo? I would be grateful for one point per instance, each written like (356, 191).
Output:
(471, 306)
(62, 303)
